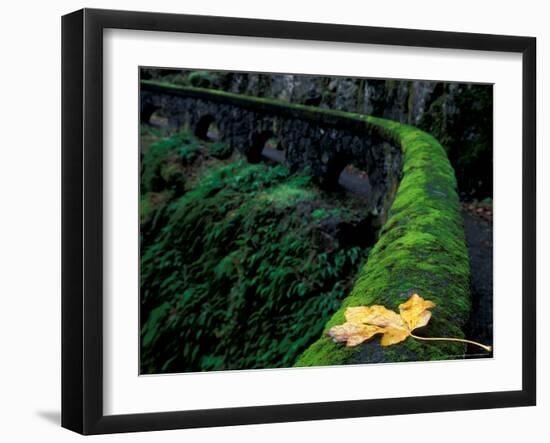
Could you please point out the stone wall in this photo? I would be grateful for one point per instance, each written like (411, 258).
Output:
(459, 115)
(322, 141)
(421, 249)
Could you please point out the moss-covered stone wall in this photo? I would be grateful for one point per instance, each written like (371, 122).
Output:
(321, 141)
(459, 115)
(421, 249)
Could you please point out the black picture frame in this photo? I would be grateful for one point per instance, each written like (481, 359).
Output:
(82, 220)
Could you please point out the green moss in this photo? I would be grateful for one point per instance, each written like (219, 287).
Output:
(421, 249)
(200, 78)
(287, 195)
(304, 111)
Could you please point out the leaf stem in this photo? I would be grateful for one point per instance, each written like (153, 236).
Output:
(487, 348)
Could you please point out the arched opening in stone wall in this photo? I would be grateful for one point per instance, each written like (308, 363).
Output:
(265, 146)
(341, 173)
(152, 115)
(207, 129)
(314, 100)
(159, 119)
(146, 111)
(331, 170)
(273, 150)
(355, 180)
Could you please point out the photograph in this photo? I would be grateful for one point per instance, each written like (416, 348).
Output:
(291, 220)
(274, 222)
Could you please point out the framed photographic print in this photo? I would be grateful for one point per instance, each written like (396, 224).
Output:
(270, 221)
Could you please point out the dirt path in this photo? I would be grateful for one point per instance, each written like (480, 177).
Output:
(479, 238)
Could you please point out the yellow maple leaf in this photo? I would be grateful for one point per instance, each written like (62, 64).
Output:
(364, 322)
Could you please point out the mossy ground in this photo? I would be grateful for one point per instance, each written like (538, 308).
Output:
(237, 268)
(421, 249)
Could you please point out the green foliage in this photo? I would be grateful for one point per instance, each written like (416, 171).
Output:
(421, 249)
(162, 163)
(151, 203)
(220, 150)
(238, 273)
(148, 130)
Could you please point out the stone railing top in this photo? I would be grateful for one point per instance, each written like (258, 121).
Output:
(324, 116)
